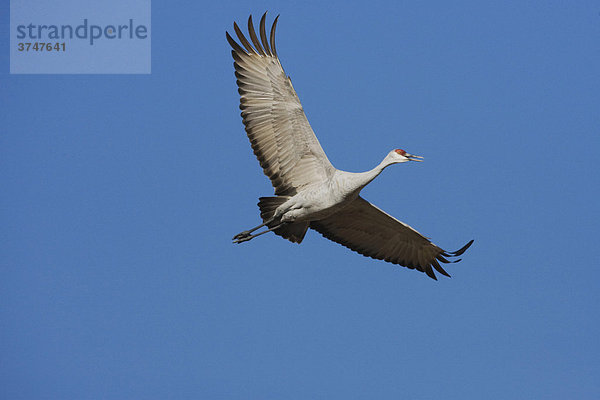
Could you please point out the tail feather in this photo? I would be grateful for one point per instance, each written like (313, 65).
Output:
(294, 232)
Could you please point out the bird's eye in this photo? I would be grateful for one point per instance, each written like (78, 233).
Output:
(400, 151)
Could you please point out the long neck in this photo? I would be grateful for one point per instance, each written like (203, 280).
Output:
(374, 173)
(359, 180)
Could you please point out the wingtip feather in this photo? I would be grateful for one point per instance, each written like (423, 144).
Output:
(243, 39)
(430, 273)
(464, 248)
(263, 34)
(253, 36)
(273, 49)
(439, 268)
(233, 43)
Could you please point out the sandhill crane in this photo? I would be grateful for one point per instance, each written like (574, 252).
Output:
(309, 191)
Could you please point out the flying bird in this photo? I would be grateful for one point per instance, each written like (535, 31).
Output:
(309, 191)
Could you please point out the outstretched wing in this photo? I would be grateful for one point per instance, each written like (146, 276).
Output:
(366, 229)
(280, 135)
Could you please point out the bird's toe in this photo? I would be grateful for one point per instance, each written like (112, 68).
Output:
(241, 235)
(242, 239)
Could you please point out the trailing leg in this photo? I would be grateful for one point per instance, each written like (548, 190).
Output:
(248, 232)
(292, 231)
(247, 237)
(267, 206)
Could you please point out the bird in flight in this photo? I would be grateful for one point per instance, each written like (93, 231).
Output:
(309, 191)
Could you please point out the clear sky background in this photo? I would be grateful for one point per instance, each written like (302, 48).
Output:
(120, 195)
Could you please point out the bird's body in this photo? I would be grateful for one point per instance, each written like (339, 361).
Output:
(309, 191)
(322, 199)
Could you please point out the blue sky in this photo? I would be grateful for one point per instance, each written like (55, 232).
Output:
(121, 194)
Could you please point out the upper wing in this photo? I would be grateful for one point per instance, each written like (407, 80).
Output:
(366, 229)
(281, 137)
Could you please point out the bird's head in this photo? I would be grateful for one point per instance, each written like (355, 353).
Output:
(400, 156)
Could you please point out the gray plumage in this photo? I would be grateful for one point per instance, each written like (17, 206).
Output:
(309, 191)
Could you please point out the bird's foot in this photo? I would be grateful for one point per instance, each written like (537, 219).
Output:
(242, 239)
(241, 235)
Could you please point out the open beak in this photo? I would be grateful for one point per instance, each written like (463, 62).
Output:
(412, 157)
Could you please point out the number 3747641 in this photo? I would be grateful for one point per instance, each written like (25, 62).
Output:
(41, 46)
